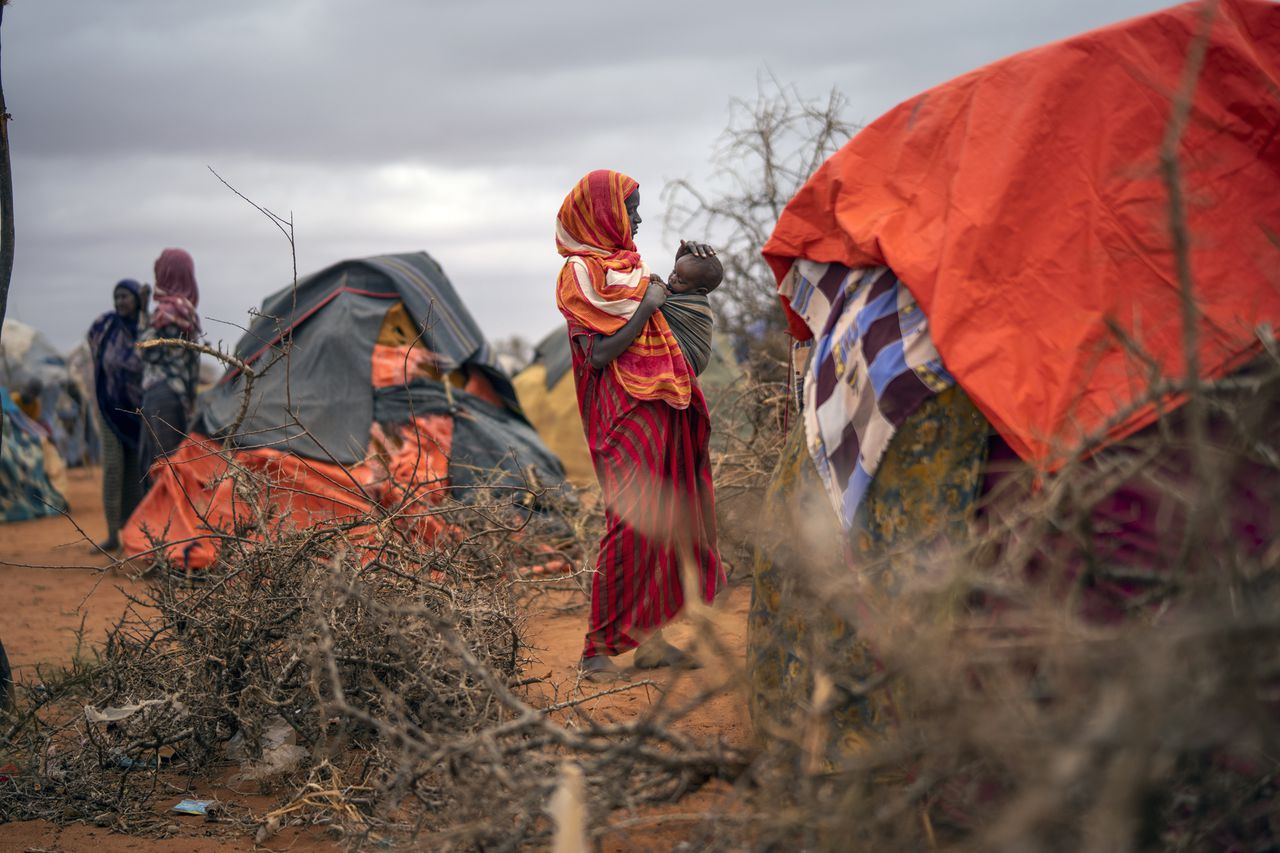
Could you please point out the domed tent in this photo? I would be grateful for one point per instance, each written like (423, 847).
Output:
(26, 355)
(27, 489)
(369, 382)
(548, 397)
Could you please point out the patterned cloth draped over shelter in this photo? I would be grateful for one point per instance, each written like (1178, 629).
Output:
(28, 468)
(29, 359)
(920, 503)
(873, 364)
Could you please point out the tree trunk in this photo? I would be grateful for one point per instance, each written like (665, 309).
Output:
(6, 209)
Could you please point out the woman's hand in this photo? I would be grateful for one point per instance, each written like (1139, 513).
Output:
(656, 293)
(698, 250)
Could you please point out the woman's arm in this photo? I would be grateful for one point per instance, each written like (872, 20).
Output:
(608, 347)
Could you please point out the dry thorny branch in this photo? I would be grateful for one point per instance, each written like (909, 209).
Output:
(379, 684)
(769, 149)
(382, 676)
(1037, 685)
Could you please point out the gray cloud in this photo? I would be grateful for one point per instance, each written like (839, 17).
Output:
(397, 125)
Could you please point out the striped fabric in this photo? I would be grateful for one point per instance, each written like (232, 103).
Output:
(603, 281)
(873, 364)
(653, 462)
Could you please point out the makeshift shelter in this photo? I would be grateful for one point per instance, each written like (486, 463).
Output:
(1023, 206)
(371, 384)
(998, 252)
(27, 355)
(88, 444)
(28, 468)
(549, 399)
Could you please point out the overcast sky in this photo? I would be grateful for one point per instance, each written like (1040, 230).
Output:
(451, 126)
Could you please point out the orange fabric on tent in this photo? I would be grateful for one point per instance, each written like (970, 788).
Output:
(193, 493)
(193, 499)
(414, 462)
(399, 363)
(1023, 206)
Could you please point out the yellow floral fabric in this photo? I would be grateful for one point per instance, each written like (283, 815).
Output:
(922, 497)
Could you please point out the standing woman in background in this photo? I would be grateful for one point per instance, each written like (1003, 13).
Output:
(117, 385)
(170, 373)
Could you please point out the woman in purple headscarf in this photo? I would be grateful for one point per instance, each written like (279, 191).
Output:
(117, 384)
(170, 373)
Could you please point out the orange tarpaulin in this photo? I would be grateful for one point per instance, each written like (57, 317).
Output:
(203, 492)
(193, 495)
(1023, 206)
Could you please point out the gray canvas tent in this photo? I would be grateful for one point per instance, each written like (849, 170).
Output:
(320, 402)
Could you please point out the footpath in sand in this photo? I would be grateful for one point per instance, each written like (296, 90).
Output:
(56, 591)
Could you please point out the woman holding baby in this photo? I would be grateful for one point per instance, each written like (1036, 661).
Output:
(646, 425)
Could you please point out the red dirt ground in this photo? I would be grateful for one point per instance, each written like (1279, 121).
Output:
(53, 584)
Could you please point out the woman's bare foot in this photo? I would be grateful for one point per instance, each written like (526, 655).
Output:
(600, 668)
(656, 652)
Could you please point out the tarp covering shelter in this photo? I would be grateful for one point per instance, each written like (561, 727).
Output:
(371, 384)
(80, 369)
(549, 399)
(1023, 205)
(26, 355)
(26, 488)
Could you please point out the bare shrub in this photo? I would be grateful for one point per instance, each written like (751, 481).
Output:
(768, 150)
(393, 672)
(1022, 715)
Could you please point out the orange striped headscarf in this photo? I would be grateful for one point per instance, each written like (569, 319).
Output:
(603, 280)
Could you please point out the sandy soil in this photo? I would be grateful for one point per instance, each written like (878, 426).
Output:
(55, 593)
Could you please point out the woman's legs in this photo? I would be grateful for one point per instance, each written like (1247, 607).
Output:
(133, 487)
(113, 484)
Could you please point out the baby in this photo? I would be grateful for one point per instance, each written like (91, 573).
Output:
(688, 311)
(692, 274)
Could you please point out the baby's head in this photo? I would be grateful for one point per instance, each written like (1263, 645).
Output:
(693, 274)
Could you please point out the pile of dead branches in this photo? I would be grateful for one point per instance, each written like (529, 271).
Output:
(373, 689)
